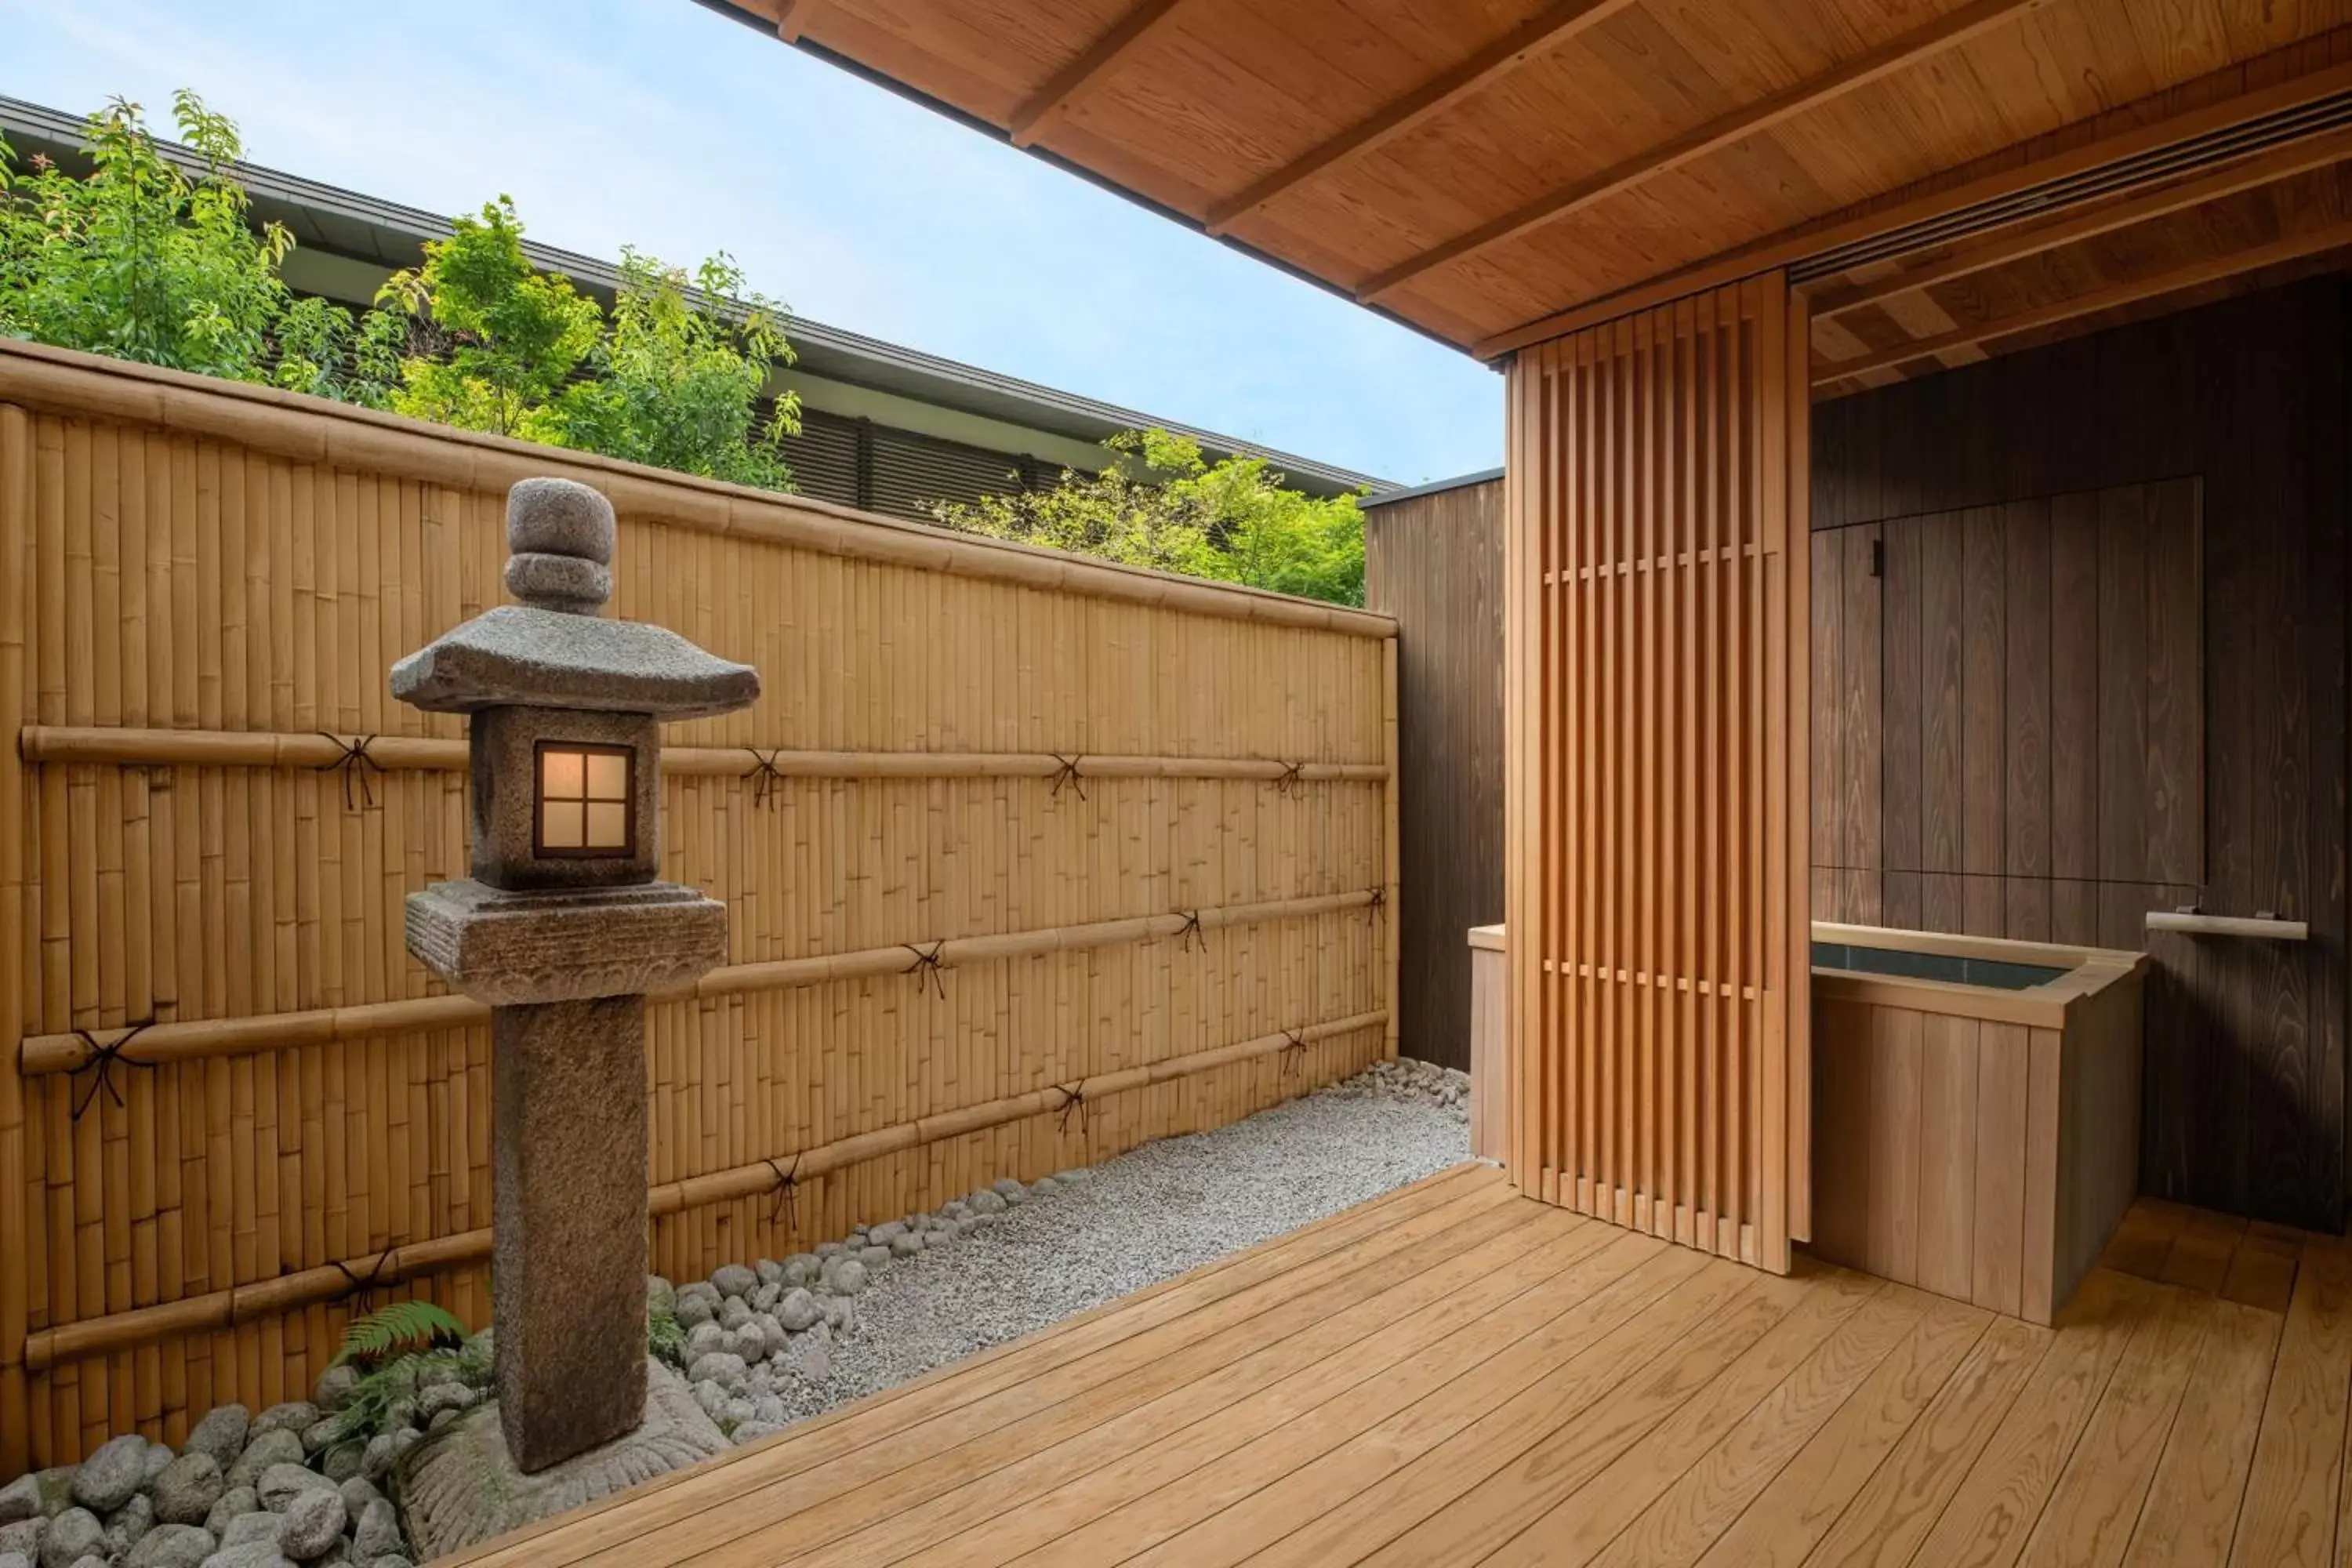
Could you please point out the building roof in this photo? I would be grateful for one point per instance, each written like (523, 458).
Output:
(337, 222)
(1434, 487)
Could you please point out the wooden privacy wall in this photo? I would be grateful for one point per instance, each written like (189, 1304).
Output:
(1655, 675)
(2246, 1062)
(1143, 827)
(1434, 561)
(2009, 716)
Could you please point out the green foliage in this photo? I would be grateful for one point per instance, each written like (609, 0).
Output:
(399, 1325)
(1235, 522)
(142, 260)
(502, 339)
(664, 1335)
(677, 377)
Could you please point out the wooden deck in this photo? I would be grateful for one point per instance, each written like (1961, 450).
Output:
(1454, 1373)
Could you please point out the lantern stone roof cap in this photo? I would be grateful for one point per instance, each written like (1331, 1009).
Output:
(523, 656)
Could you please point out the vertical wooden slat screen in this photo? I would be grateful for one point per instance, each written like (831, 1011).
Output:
(1655, 674)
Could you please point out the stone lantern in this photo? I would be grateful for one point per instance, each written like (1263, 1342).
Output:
(563, 928)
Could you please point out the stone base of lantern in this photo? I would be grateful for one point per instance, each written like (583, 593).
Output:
(567, 1224)
(461, 1486)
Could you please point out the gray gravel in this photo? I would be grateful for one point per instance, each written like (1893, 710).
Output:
(1146, 1216)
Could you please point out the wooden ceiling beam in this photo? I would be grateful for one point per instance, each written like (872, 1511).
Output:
(1946, 32)
(1071, 84)
(1540, 34)
(2016, 245)
(2212, 270)
(1818, 238)
(794, 18)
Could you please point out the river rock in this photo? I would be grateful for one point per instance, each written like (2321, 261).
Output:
(251, 1554)
(247, 1528)
(282, 1484)
(905, 1243)
(1044, 1187)
(770, 1271)
(108, 1477)
(1011, 1191)
(342, 1462)
(159, 1457)
(802, 1268)
(693, 1311)
(333, 1389)
(14, 1560)
(701, 1340)
(884, 1235)
(170, 1546)
(235, 1503)
(719, 1367)
(187, 1489)
(798, 1311)
(293, 1416)
(847, 1276)
(20, 1500)
(734, 1279)
(72, 1536)
(986, 1202)
(129, 1525)
(279, 1446)
(23, 1538)
(222, 1434)
(314, 1523)
(377, 1533)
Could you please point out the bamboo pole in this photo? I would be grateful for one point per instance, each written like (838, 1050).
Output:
(16, 1236)
(1391, 818)
(221, 1309)
(213, 1037)
(58, 745)
(338, 435)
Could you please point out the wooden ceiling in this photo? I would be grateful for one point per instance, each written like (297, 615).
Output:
(1497, 171)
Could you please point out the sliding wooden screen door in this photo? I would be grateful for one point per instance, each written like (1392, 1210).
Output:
(1656, 802)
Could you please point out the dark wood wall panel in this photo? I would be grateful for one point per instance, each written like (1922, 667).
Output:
(2206, 761)
(1435, 563)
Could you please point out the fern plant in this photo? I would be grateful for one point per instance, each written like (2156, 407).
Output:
(664, 1335)
(371, 1336)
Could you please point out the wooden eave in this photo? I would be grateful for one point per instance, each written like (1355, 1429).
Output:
(1497, 171)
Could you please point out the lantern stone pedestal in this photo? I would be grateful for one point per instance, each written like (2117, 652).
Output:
(563, 929)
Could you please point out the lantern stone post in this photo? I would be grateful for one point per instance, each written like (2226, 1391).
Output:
(563, 928)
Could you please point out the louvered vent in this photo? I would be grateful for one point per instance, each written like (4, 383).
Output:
(2121, 177)
(823, 458)
(911, 472)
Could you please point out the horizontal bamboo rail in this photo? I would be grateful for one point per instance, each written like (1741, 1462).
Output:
(225, 1309)
(106, 745)
(156, 1044)
(338, 435)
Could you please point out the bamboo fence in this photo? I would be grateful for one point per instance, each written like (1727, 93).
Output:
(1026, 859)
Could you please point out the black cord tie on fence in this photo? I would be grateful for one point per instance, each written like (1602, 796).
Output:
(1378, 902)
(358, 1284)
(100, 1064)
(1294, 776)
(927, 966)
(765, 776)
(1190, 931)
(788, 1181)
(1294, 1053)
(1073, 1098)
(355, 764)
(1066, 773)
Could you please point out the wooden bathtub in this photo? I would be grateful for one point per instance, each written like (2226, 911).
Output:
(1977, 1140)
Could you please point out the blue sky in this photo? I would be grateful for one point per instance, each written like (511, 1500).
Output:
(659, 123)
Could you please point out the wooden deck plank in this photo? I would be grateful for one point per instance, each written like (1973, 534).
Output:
(2201, 1481)
(1712, 1491)
(2289, 1517)
(1228, 1512)
(1092, 1472)
(1907, 1496)
(2096, 1503)
(1564, 1459)
(1041, 1410)
(1986, 1522)
(1460, 1374)
(1799, 1504)
(1197, 1302)
(1583, 1525)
